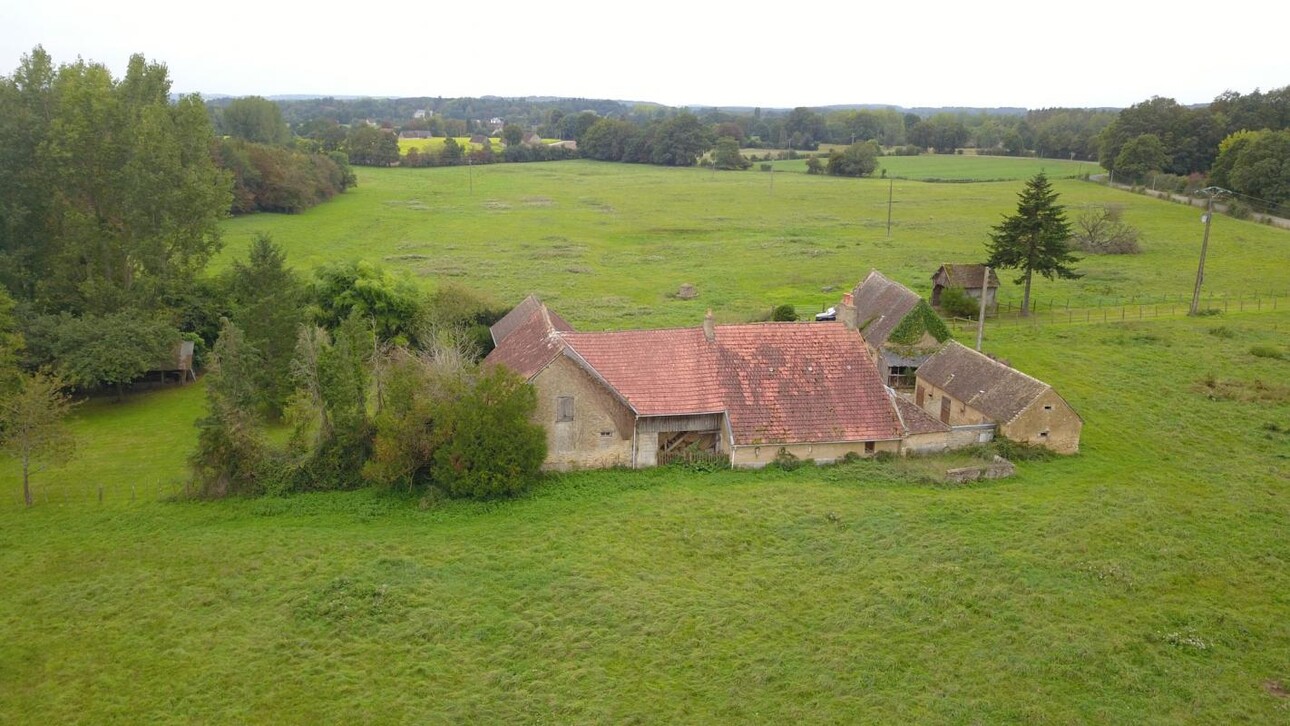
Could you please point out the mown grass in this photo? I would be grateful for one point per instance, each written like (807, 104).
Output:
(967, 167)
(1145, 579)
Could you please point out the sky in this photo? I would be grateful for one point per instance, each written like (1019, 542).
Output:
(1088, 53)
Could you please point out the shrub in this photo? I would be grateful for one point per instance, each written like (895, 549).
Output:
(1236, 209)
(487, 445)
(764, 167)
(1100, 230)
(1222, 331)
(956, 303)
(786, 461)
(1020, 451)
(1266, 351)
(884, 456)
(783, 314)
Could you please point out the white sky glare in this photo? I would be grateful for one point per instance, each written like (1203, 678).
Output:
(989, 53)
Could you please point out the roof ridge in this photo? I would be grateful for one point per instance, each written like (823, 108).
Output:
(998, 362)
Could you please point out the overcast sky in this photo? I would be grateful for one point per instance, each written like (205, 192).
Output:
(776, 54)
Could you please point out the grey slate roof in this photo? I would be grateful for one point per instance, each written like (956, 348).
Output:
(880, 306)
(981, 382)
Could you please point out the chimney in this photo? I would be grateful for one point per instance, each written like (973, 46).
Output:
(847, 311)
(709, 326)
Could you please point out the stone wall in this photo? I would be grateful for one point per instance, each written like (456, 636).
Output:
(998, 469)
(755, 457)
(600, 432)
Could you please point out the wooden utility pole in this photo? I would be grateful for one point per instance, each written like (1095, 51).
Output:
(980, 321)
(891, 186)
(470, 173)
(1210, 192)
(772, 180)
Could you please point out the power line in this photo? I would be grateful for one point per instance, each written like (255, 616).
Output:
(1210, 192)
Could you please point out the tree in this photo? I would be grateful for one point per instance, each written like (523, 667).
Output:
(370, 146)
(607, 139)
(230, 443)
(1259, 166)
(680, 140)
(32, 427)
(11, 346)
(391, 305)
(255, 119)
(727, 155)
(333, 433)
(1034, 239)
(512, 134)
(858, 159)
(1101, 229)
(451, 152)
(1140, 156)
(814, 165)
(104, 350)
(488, 444)
(267, 300)
(115, 200)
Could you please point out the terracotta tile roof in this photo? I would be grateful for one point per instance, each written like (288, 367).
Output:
(521, 314)
(915, 419)
(777, 382)
(880, 306)
(981, 382)
(965, 276)
(658, 372)
(528, 345)
(795, 382)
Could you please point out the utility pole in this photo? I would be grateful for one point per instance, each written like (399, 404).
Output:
(470, 173)
(891, 185)
(1210, 192)
(772, 181)
(980, 321)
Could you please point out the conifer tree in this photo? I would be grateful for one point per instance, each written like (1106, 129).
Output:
(1035, 239)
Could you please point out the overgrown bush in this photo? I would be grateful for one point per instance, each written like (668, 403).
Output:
(783, 314)
(1100, 229)
(231, 450)
(956, 303)
(1020, 451)
(487, 445)
(1266, 351)
(1237, 209)
(786, 460)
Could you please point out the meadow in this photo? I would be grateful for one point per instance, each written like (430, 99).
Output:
(1143, 580)
(951, 168)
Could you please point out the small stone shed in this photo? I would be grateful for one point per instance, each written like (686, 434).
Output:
(968, 277)
(962, 387)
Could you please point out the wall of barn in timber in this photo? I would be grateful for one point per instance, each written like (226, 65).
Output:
(600, 432)
(755, 457)
(1048, 421)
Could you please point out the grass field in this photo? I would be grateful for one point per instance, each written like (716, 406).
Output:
(608, 244)
(435, 143)
(945, 167)
(1144, 580)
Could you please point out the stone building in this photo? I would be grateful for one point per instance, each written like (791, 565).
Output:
(968, 277)
(746, 393)
(899, 327)
(964, 388)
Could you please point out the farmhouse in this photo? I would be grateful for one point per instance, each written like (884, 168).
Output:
(746, 393)
(899, 327)
(968, 278)
(962, 388)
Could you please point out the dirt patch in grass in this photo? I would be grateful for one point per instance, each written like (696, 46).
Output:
(1276, 688)
(1254, 391)
(538, 202)
(496, 205)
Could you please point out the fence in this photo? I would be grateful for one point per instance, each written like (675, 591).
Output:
(1117, 310)
(46, 492)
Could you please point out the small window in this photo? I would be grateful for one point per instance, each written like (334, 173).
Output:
(868, 447)
(563, 409)
(606, 438)
(1043, 434)
(1048, 407)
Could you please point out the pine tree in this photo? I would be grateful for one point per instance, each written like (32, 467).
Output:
(1035, 239)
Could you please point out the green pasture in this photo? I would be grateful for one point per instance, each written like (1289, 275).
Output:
(609, 244)
(1143, 580)
(969, 167)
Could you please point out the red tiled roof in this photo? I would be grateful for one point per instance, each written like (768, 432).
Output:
(778, 382)
(658, 372)
(529, 344)
(521, 314)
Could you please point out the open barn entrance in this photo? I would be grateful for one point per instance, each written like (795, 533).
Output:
(686, 445)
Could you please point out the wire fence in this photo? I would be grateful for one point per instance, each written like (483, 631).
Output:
(47, 491)
(1118, 310)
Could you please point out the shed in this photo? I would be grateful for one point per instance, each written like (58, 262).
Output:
(967, 277)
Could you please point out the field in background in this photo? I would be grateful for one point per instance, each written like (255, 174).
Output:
(434, 144)
(955, 168)
(1143, 578)
(609, 244)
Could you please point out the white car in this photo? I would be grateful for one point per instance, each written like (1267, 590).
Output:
(830, 314)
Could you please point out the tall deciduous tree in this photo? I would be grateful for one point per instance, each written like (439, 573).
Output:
(727, 156)
(255, 119)
(230, 443)
(1035, 239)
(115, 201)
(32, 427)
